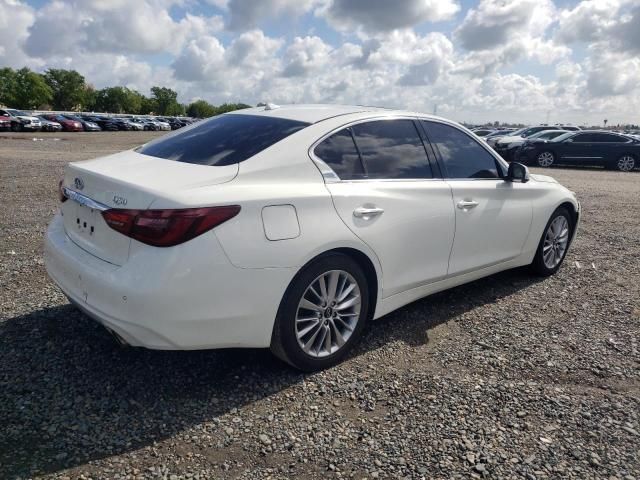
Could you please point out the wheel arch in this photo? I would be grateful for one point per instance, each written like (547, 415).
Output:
(364, 261)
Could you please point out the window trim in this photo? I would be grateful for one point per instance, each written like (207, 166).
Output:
(500, 163)
(332, 177)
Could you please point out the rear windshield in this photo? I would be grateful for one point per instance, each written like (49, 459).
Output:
(223, 140)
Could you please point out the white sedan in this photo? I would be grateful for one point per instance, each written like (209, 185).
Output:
(292, 227)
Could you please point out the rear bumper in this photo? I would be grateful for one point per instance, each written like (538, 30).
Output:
(179, 298)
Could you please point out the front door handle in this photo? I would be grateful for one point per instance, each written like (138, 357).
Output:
(367, 213)
(467, 204)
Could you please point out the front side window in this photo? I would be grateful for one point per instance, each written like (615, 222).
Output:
(340, 153)
(392, 149)
(223, 140)
(462, 156)
(584, 138)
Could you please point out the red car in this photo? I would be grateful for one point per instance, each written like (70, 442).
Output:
(67, 124)
(5, 123)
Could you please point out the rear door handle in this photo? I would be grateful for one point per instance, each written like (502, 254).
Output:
(367, 213)
(467, 204)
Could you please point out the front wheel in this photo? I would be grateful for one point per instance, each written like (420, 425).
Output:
(626, 163)
(322, 314)
(545, 159)
(553, 244)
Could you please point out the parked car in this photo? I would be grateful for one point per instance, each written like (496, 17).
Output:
(68, 125)
(483, 132)
(87, 125)
(586, 147)
(507, 150)
(492, 138)
(105, 123)
(49, 126)
(20, 120)
(165, 244)
(135, 123)
(5, 123)
(501, 144)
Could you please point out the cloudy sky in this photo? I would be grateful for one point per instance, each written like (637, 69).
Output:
(514, 60)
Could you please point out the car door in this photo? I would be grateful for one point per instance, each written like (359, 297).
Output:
(580, 149)
(387, 193)
(492, 216)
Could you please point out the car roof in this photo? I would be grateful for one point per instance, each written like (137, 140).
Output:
(313, 113)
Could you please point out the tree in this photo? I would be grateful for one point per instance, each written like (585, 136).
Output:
(31, 91)
(166, 101)
(7, 86)
(68, 87)
(201, 109)
(230, 107)
(119, 100)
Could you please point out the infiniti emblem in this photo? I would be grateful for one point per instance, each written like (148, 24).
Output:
(78, 183)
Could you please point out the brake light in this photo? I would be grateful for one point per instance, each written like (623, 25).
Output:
(166, 228)
(62, 196)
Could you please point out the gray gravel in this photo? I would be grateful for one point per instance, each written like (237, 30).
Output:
(508, 377)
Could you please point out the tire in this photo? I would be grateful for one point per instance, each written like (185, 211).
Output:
(626, 163)
(16, 127)
(545, 159)
(298, 332)
(563, 219)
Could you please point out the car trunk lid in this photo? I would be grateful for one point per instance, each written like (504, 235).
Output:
(125, 180)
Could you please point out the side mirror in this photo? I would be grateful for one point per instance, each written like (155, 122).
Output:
(517, 173)
(569, 140)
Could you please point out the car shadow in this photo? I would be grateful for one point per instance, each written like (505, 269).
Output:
(70, 394)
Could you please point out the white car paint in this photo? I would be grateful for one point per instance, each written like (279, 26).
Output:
(223, 288)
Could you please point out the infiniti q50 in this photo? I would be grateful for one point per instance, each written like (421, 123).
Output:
(293, 227)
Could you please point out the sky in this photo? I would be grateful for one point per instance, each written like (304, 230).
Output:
(526, 61)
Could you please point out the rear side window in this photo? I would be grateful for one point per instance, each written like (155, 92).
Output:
(608, 138)
(391, 149)
(223, 140)
(462, 156)
(340, 153)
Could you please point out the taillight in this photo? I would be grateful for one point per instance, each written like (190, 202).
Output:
(62, 196)
(166, 228)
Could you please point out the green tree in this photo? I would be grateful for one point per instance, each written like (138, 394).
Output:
(119, 100)
(166, 101)
(68, 87)
(8, 86)
(31, 91)
(230, 107)
(201, 109)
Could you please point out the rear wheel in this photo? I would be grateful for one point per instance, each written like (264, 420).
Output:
(626, 163)
(554, 243)
(322, 313)
(545, 159)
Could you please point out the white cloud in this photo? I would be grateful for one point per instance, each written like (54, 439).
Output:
(304, 56)
(15, 19)
(247, 14)
(588, 21)
(383, 15)
(117, 26)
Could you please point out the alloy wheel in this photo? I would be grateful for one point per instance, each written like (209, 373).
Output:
(556, 241)
(328, 313)
(545, 159)
(626, 163)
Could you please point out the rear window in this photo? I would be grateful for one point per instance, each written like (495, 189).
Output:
(223, 140)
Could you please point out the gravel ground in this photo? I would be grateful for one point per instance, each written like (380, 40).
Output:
(508, 377)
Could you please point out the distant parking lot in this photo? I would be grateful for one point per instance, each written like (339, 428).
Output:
(509, 376)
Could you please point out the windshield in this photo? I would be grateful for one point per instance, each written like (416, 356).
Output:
(546, 134)
(223, 140)
(562, 137)
(17, 113)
